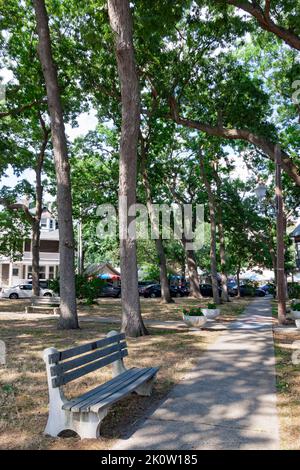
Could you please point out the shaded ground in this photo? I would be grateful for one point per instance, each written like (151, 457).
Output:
(287, 351)
(23, 389)
(152, 309)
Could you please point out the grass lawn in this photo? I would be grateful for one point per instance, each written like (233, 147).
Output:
(288, 389)
(23, 388)
(152, 309)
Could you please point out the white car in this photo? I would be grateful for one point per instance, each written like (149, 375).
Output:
(23, 291)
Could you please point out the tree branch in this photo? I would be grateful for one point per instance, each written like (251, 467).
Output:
(264, 20)
(13, 112)
(237, 134)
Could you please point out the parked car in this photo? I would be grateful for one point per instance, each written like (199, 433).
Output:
(23, 291)
(207, 291)
(249, 291)
(268, 288)
(109, 290)
(44, 283)
(155, 291)
(143, 284)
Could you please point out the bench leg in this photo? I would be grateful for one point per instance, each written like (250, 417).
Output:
(87, 425)
(146, 388)
(56, 311)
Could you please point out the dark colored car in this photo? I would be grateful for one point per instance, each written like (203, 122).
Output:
(249, 291)
(207, 291)
(268, 288)
(155, 291)
(109, 290)
(142, 285)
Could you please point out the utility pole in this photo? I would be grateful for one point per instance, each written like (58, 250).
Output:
(281, 295)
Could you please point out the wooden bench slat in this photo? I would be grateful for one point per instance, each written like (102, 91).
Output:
(69, 376)
(124, 391)
(107, 389)
(75, 401)
(62, 367)
(104, 396)
(62, 355)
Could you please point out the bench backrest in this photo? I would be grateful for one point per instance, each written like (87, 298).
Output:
(73, 363)
(46, 300)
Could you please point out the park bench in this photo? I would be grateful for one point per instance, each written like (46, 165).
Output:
(84, 413)
(44, 303)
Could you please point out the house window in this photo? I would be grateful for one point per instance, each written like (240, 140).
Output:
(15, 272)
(27, 246)
(51, 272)
(42, 274)
(51, 224)
(43, 223)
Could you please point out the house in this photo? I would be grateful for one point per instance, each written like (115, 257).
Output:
(15, 272)
(296, 236)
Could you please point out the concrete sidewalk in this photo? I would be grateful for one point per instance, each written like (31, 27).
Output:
(228, 401)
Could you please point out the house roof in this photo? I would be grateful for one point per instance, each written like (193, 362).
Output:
(296, 232)
(101, 268)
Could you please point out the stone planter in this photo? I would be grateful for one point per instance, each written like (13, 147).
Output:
(297, 323)
(296, 314)
(211, 312)
(195, 321)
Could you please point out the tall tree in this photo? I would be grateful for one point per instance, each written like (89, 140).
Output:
(163, 274)
(213, 232)
(121, 24)
(68, 317)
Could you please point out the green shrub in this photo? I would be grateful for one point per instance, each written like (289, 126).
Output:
(87, 288)
(294, 290)
(211, 306)
(193, 312)
(296, 306)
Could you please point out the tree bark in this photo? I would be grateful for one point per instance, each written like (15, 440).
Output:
(121, 25)
(238, 281)
(238, 134)
(163, 274)
(68, 317)
(264, 20)
(192, 271)
(224, 277)
(213, 234)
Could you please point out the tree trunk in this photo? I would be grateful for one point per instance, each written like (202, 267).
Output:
(35, 253)
(224, 277)
(238, 281)
(68, 316)
(192, 270)
(163, 274)
(36, 230)
(213, 235)
(121, 25)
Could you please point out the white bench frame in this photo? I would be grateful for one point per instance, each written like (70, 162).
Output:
(40, 303)
(85, 424)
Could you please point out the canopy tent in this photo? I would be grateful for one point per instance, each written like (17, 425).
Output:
(111, 277)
